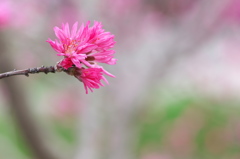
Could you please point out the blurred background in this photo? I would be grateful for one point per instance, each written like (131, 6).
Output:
(175, 95)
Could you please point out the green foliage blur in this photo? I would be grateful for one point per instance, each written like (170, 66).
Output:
(186, 127)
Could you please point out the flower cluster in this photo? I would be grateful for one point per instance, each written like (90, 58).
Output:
(82, 50)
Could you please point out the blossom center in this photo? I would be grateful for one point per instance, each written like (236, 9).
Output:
(71, 47)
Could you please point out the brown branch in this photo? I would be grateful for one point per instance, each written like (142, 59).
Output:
(26, 72)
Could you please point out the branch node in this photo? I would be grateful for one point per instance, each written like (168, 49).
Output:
(52, 69)
(45, 71)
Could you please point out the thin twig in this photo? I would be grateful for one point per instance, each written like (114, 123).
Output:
(26, 72)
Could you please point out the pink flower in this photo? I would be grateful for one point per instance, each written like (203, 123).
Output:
(104, 40)
(104, 57)
(66, 63)
(82, 50)
(90, 77)
(82, 46)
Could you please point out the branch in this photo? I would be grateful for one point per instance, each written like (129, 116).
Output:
(26, 72)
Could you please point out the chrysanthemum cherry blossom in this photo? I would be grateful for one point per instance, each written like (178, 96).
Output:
(82, 50)
(91, 77)
(83, 46)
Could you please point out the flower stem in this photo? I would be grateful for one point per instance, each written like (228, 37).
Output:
(26, 72)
